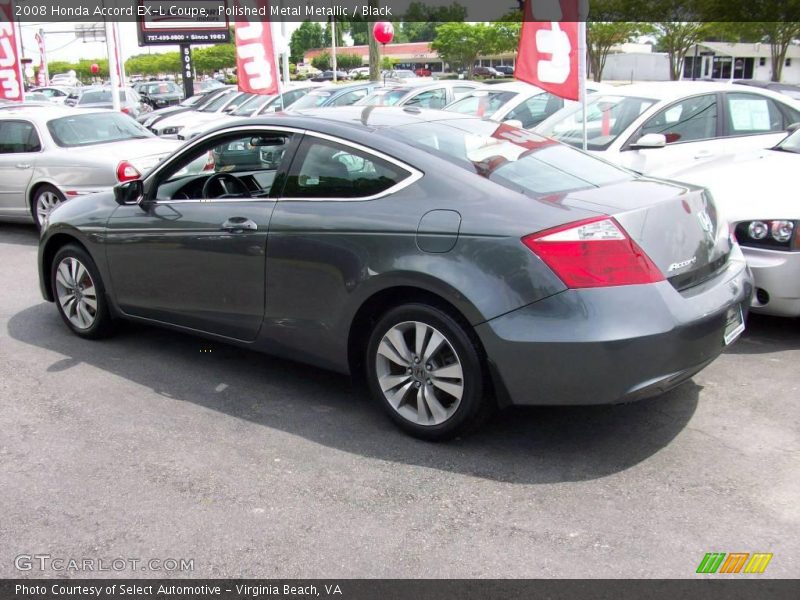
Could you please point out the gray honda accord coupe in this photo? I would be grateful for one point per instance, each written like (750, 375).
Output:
(458, 265)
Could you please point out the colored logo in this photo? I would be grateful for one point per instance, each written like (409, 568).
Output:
(735, 562)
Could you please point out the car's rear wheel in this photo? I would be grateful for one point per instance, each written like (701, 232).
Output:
(426, 371)
(80, 294)
(46, 199)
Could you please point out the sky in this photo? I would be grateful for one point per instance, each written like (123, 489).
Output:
(65, 46)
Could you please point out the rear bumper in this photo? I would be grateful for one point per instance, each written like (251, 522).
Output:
(778, 274)
(608, 345)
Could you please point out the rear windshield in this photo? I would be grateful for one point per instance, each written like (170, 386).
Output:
(95, 128)
(99, 96)
(384, 98)
(608, 117)
(512, 157)
(158, 88)
(481, 103)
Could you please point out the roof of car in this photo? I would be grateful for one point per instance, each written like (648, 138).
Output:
(363, 118)
(671, 90)
(43, 112)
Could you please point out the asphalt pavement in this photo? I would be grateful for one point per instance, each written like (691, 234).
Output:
(155, 445)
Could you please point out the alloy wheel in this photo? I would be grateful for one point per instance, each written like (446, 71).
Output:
(76, 293)
(419, 373)
(45, 203)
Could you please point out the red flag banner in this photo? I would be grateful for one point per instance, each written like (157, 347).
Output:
(42, 78)
(549, 53)
(256, 68)
(11, 87)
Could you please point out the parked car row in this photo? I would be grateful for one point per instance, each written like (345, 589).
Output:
(463, 252)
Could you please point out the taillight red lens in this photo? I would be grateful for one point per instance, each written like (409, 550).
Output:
(126, 110)
(127, 172)
(211, 164)
(593, 253)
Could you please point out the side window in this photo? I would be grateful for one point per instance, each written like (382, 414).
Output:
(326, 169)
(749, 113)
(349, 98)
(535, 109)
(232, 166)
(17, 137)
(690, 119)
(431, 99)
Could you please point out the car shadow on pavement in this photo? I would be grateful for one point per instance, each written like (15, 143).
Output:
(19, 234)
(766, 334)
(529, 446)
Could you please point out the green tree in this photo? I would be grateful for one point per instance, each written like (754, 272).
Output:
(347, 61)
(677, 38)
(460, 44)
(420, 20)
(326, 35)
(214, 58)
(309, 35)
(322, 61)
(779, 35)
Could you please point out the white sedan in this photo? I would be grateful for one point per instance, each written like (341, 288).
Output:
(757, 192)
(515, 101)
(661, 128)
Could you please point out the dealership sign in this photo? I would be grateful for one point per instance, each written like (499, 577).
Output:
(549, 51)
(182, 22)
(256, 68)
(11, 87)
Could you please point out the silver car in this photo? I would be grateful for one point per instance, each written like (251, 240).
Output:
(51, 154)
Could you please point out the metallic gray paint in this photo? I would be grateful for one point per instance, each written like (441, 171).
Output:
(294, 286)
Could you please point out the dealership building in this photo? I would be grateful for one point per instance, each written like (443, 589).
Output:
(411, 55)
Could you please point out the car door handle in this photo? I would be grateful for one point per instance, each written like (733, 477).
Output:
(23, 166)
(239, 225)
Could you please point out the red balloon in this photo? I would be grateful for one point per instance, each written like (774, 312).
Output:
(95, 68)
(383, 32)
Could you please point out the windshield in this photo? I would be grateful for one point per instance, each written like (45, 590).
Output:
(216, 103)
(511, 157)
(158, 88)
(192, 100)
(99, 96)
(608, 117)
(791, 143)
(384, 98)
(481, 103)
(95, 128)
(251, 105)
(311, 100)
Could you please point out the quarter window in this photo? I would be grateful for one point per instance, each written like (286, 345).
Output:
(17, 137)
(690, 119)
(749, 113)
(325, 169)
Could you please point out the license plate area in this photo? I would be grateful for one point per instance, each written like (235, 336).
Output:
(734, 326)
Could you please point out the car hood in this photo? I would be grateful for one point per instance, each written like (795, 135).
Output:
(751, 185)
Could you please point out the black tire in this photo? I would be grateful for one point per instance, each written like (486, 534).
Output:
(462, 414)
(102, 324)
(44, 191)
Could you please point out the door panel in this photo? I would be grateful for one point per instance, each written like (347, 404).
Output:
(19, 150)
(190, 257)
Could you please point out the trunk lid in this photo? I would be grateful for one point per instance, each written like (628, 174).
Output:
(144, 153)
(677, 225)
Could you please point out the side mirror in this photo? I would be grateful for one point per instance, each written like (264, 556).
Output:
(130, 192)
(229, 109)
(650, 140)
(793, 127)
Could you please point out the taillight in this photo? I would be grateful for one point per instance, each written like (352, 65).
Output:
(126, 110)
(593, 253)
(127, 172)
(211, 164)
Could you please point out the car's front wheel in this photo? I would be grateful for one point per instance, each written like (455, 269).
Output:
(79, 293)
(46, 199)
(426, 371)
